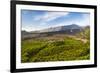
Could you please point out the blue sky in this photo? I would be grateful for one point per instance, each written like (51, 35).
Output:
(33, 20)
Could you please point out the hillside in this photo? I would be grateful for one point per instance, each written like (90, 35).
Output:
(85, 34)
(54, 46)
(62, 28)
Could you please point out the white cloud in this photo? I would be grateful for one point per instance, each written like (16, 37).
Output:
(53, 15)
(49, 16)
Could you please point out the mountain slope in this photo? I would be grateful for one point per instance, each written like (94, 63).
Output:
(62, 28)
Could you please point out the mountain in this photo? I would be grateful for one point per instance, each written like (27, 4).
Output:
(73, 26)
(70, 29)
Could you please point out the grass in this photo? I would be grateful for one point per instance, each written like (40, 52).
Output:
(44, 50)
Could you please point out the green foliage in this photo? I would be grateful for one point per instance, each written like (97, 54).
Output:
(40, 50)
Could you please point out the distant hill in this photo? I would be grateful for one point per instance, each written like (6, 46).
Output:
(69, 29)
(61, 28)
(23, 32)
(72, 29)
